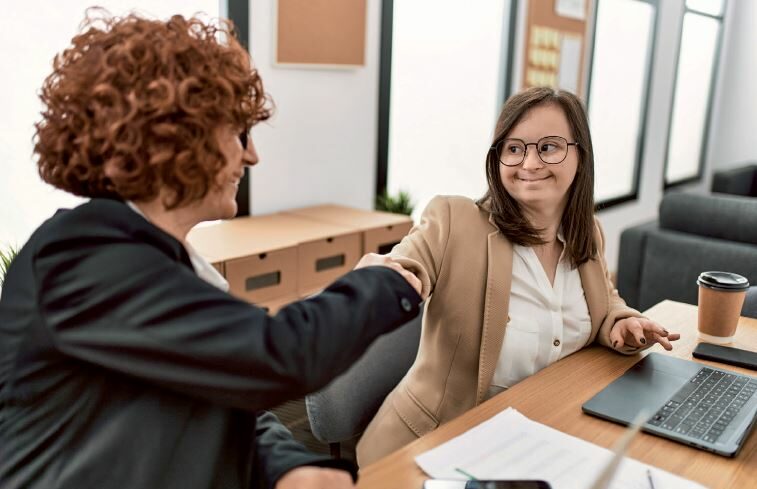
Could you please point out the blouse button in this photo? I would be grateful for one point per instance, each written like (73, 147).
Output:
(556, 342)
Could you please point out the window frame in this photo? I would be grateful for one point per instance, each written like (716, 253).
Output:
(385, 82)
(238, 11)
(711, 96)
(644, 108)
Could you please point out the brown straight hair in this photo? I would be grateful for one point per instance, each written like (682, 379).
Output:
(578, 218)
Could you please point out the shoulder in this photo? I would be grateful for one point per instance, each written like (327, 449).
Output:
(457, 205)
(101, 224)
(96, 216)
(598, 234)
(457, 216)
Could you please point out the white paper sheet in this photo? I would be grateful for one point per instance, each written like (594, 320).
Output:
(511, 446)
(573, 9)
(570, 63)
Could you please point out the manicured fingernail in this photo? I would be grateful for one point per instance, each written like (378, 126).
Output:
(643, 341)
(615, 344)
(665, 331)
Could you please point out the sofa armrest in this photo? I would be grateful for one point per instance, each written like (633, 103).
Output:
(736, 181)
(750, 303)
(630, 261)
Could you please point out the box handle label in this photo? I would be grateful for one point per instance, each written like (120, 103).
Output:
(261, 281)
(329, 262)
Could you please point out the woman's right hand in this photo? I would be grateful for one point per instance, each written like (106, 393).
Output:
(376, 260)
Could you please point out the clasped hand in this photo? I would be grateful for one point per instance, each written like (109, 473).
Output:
(640, 333)
(309, 477)
(373, 260)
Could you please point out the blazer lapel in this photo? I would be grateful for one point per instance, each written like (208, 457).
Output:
(496, 305)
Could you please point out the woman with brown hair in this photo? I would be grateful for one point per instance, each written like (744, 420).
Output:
(513, 282)
(123, 361)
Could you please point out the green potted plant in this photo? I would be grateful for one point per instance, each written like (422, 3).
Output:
(6, 257)
(401, 203)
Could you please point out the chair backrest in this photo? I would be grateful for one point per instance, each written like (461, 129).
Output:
(343, 409)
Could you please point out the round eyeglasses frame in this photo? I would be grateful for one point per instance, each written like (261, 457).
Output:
(244, 137)
(497, 150)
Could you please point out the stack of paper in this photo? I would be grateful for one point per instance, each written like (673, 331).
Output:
(511, 446)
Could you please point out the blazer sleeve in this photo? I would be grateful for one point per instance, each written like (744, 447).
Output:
(616, 308)
(277, 452)
(125, 306)
(422, 250)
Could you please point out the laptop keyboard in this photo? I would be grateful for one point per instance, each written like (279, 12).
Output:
(705, 406)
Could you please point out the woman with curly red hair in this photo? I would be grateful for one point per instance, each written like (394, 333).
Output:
(123, 361)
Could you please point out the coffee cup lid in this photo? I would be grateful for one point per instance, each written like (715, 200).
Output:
(723, 281)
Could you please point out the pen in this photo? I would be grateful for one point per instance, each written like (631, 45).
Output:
(621, 446)
(651, 481)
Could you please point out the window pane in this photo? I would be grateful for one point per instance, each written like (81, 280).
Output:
(445, 96)
(26, 201)
(712, 7)
(622, 51)
(692, 96)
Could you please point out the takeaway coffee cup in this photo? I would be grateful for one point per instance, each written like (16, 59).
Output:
(721, 296)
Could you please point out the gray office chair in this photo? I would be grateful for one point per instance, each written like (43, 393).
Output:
(750, 303)
(342, 410)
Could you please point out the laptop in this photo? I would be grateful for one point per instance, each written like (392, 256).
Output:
(695, 404)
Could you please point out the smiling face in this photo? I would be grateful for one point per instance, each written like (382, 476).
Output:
(535, 185)
(220, 202)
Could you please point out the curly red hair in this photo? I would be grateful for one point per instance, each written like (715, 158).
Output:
(143, 98)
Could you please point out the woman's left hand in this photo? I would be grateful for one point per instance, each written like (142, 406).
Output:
(640, 333)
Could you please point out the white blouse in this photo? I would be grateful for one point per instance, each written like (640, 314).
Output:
(547, 322)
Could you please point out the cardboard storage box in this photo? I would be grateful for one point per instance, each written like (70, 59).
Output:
(321, 261)
(380, 231)
(277, 256)
(259, 263)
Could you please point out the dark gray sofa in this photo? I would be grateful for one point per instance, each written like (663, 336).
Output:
(661, 259)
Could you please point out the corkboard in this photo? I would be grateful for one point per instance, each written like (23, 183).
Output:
(321, 32)
(555, 47)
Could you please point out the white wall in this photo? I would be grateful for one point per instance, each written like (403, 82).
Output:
(735, 123)
(442, 113)
(25, 200)
(320, 146)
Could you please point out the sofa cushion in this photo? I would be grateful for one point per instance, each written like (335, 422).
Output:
(724, 217)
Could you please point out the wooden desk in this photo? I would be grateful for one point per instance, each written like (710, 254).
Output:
(554, 397)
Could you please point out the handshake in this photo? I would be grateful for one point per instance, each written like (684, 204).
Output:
(375, 260)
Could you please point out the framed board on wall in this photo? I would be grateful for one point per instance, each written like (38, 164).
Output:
(555, 44)
(320, 33)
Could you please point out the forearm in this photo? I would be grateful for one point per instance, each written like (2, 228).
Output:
(160, 323)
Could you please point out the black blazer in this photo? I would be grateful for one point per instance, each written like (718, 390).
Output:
(120, 367)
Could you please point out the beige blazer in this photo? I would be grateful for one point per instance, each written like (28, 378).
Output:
(465, 265)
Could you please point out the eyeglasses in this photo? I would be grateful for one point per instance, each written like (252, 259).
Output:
(244, 137)
(552, 150)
